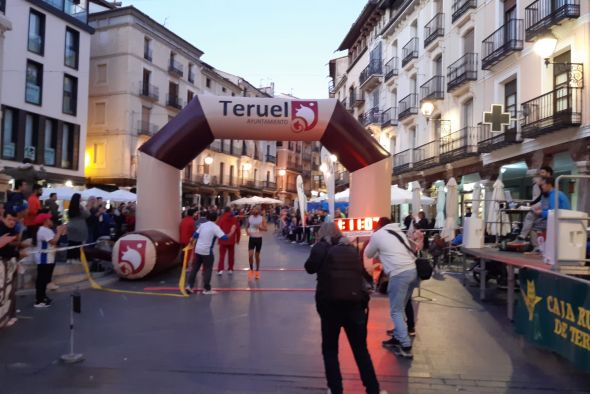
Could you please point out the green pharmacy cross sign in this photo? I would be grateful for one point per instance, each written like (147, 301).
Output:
(497, 118)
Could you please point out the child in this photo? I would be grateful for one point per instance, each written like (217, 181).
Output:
(46, 241)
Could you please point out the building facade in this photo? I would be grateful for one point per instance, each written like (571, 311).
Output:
(44, 93)
(126, 111)
(420, 74)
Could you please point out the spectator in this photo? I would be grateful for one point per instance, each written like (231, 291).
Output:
(230, 225)
(77, 228)
(53, 207)
(46, 239)
(18, 194)
(187, 227)
(31, 216)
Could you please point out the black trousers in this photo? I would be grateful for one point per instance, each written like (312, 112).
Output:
(73, 254)
(44, 274)
(207, 262)
(353, 318)
(410, 315)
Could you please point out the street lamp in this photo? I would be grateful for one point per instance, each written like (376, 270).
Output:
(333, 158)
(247, 167)
(208, 160)
(545, 46)
(427, 108)
(282, 172)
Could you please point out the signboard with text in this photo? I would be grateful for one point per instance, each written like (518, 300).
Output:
(357, 227)
(554, 312)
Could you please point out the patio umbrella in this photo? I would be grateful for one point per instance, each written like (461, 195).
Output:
(448, 232)
(416, 203)
(242, 201)
(122, 195)
(95, 192)
(440, 204)
(498, 222)
(63, 193)
(268, 200)
(475, 204)
(403, 196)
(343, 196)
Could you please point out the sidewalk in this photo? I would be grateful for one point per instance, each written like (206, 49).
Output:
(267, 342)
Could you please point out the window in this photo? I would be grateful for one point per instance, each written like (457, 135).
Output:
(36, 41)
(72, 48)
(191, 75)
(30, 137)
(467, 113)
(49, 139)
(189, 96)
(510, 98)
(67, 145)
(221, 172)
(208, 82)
(98, 155)
(223, 90)
(147, 49)
(70, 95)
(34, 85)
(101, 73)
(8, 134)
(99, 113)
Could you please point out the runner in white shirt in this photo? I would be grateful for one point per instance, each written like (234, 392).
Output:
(46, 241)
(256, 224)
(204, 238)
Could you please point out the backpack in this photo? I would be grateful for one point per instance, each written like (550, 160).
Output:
(343, 276)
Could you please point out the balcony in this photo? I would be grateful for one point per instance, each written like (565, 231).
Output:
(540, 15)
(76, 9)
(269, 185)
(175, 68)
(174, 101)
(357, 98)
(206, 179)
(342, 179)
(410, 51)
(291, 187)
(372, 75)
(408, 106)
(433, 89)
(463, 70)
(389, 117)
(426, 156)
(489, 141)
(461, 7)
(248, 183)
(402, 162)
(294, 166)
(372, 116)
(552, 111)
(191, 76)
(434, 29)
(149, 91)
(458, 145)
(146, 128)
(390, 69)
(331, 88)
(271, 158)
(507, 39)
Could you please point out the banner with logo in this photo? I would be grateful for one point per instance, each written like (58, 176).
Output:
(7, 290)
(554, 312)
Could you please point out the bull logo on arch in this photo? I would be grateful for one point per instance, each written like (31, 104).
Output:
(207, 118)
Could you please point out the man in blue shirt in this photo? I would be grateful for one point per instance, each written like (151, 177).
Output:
(548, 187)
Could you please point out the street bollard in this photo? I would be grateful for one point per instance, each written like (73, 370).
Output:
(72, 358)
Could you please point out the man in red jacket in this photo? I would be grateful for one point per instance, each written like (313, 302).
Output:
(231, 226)
(187, 227)
(31, 216)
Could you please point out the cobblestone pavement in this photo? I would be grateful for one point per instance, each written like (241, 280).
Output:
(268, 341)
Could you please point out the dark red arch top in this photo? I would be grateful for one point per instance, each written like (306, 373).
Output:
(207, 118)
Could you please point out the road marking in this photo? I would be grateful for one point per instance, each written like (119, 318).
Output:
(236, 289)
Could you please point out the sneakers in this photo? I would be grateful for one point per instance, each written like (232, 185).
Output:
(42, 305)
(391, 343)
(405, 352)
(52, 286)
(412, 332)
(209, 292)
(257, 274)
(250, 275)
(231, 272)
(389, 332)
(188, 290)
(219, 273)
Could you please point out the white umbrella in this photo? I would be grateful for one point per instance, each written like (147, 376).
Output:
(242, 201)
(95, 192)
(498, 222)
(448, 232)
(318, 199)
(475, 204)
(63, 193)
(122, 196)
(403, 196)
(343, 196)
(440, 204)
(268, 200)
(416, 204)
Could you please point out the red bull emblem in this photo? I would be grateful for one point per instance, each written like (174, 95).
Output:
(304, 115)
(131, 256)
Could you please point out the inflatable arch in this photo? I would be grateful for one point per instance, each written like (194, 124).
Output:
(154, 246)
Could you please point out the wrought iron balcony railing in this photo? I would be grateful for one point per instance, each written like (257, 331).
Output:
(434, 28)
(402, 162)
(342, 178)
(433, 89)
(408, 106)
(427, 155)
(540, 15)
(374, 69)
(410, 51)
(271, 158)
(175, 68)
(557, 109)
(461, 71)
(389, 117)
(458, 145)
(206, 179)
(489, 141)
(149, 91)
(357, 98)
(460, 7)
(174, 101)
(269, 185)
(391, 68)
(146, 128)
(372, 116)
(501, 43)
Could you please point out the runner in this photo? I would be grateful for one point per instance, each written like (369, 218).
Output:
(256, 224)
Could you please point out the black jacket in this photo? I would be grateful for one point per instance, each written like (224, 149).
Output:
(339, 251)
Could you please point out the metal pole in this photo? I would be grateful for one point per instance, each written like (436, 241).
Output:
(72, 357)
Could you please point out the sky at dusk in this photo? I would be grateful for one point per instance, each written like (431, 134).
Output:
(285, 42)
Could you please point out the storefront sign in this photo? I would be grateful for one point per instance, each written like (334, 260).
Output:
(357, 226)
(554, 312)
